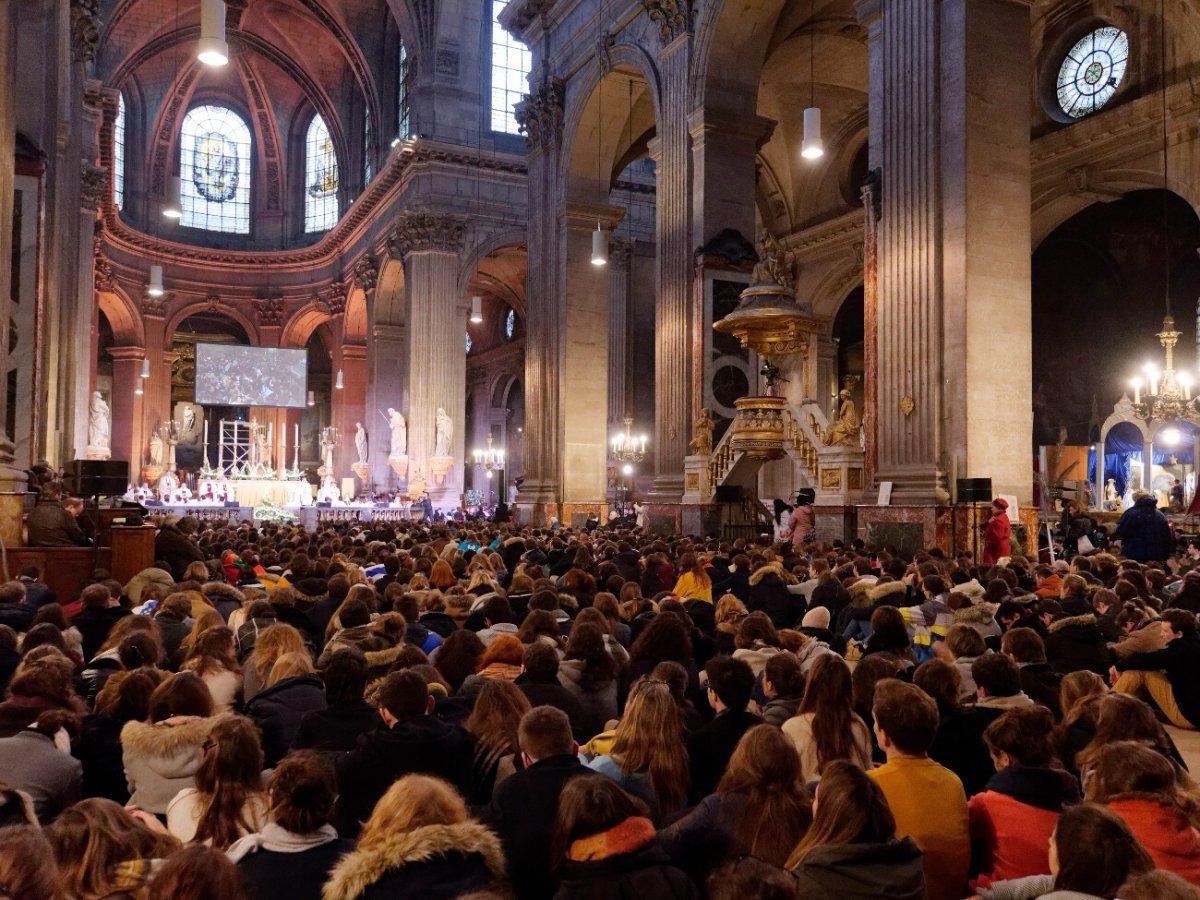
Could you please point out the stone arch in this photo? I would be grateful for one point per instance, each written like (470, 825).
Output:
(731, 45)
(832, 290)
(123, 316)
(485, 247)
(221, 309)
(302, 324)
(355, 318)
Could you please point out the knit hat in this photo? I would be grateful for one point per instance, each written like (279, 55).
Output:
(817, 617)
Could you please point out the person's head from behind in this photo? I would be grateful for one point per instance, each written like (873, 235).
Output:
(888, 628)
(541, 661)
(345, 676)
(748, 878)
(230, 773)
(1023, 645)
(289, 665)
(1129, 767)
(1077, 686)
(403, 695)
(1158, 885)
(183, 694)
(942, 682)
(996, 675)
(782, 677)
(906, 719)
(413, 801)
(302, 792)
(95, 596)
(964, 642)
(129, 697)
(1093, 852)
(545, 732)
(1021, 737)
(197, 873)
(849, 808)
(590, 805)
(730, 683)
(27, 869)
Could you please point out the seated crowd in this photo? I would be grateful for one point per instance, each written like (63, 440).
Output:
(413, 712)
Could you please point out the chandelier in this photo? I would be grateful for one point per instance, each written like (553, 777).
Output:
(491, 459)
(627, 448)
(1167, 395)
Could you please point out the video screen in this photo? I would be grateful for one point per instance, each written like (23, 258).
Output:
(231, 375)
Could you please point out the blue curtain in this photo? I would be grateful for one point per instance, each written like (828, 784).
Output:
(1123, 447)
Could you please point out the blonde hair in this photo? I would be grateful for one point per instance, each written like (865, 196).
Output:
(272, 643)
(648, 739)
(413, 801)
(208, 618)
(289, 665)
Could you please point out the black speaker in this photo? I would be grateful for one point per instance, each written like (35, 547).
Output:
(974, 490)
(727, 493)
(96, 477)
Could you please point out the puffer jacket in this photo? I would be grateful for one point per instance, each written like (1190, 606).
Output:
(1075, 643)
(161, 759)
(1144, 532)
(278, 710)
(769, 593)
(1146, 639)
(981, 616)
(891, 870)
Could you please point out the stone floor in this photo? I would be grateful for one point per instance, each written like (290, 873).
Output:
(1188, 743)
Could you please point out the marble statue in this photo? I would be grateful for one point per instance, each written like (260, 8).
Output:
(443, 433)
(360, 442)
(845, 431)
(702, 435)
(189, 419)
(399, 434)
(158, 449)
(264, 448)
(99, 422)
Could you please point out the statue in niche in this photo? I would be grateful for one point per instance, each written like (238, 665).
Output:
(264, 448)
(399, 429)
(844, 432)
(443, 433)
(702, 435)
(99, 422)
(158, 448)
(189, 419)
(360, 442)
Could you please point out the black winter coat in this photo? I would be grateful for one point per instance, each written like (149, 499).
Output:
(271, 875)
(1144, 532)
(176, 549)
(641, 875)
(737, 584)
(958, 745)
(1076, 643)
(550, 692)
(279, 709)
(336, 728)
(710, 748)
(707, 836)
(771, 596)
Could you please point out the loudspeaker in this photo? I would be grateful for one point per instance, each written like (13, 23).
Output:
(727, 493)
(974, 490)
(96, 477)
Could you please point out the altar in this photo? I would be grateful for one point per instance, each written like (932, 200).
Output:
(253, 491)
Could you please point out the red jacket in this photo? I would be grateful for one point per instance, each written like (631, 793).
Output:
(1164, 831)
(995, 539)
(1009, 839)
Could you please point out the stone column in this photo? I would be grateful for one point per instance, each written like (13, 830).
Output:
(953, 251)
(12, 479)
(386, 367)
(618, 330)
(541, 118)
(128, 423)
(350, 406)
(430, 244)
(674, 333)
(724, 149)
(156, 402)
(80, 326)
(481, 427)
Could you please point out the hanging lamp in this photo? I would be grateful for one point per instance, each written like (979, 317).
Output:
(173, 207)
(155, 288)
(476, 310)
(812, 147)
(212, 49)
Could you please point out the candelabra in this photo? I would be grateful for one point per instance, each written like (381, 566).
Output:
(1168, 395)
(330, 438)
(490, 459)
(627, 448)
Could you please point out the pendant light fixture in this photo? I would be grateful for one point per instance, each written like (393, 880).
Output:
(476, 309)
(341, 380)
(599, 247)
(145, 367)
(155, 288)
(212, 49)
(599, 238)
(173, 207)
(813, 147)
(312, 398)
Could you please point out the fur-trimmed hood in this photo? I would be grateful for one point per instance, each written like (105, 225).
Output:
(972, 589)
(1073, 621)
(980, 613)
(879, 592)
(775, 569)
(169, 737)
(359, 870)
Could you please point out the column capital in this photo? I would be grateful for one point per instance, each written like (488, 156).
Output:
(424, 232)
(365, 273)
(540, 114)
(354, 351)
(673, 17)
(268, 311)
(383, 331)
(85, 30)
(748, 126)
(127, 353)
(586, 215)
(334, 297)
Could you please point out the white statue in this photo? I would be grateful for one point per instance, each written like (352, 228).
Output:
(99, 422)
(264, 448)
(399, 434)
(189, 419)
(360, 442)
(158, 449)
(443, 434)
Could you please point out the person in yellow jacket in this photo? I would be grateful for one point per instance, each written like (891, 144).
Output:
(693, 582)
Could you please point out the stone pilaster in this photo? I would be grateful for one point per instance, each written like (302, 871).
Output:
(430, 244)
(481, 427)
(724, 149)
(674, 314)
(350, 406)
(953, 243)
(156, 402)
(619, 255)
(541, 118)
(128, 420)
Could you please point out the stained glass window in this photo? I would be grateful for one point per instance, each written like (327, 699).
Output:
(118, 156)
(320, 178)
(403, 105)
(469, 343)
(215, 170)
(1092, 70)
(510, 69)
(510, 324)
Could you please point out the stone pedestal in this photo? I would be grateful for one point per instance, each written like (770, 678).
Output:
(12, 507)
(697, 487)
(362, 472)
(439, 468)
(99, 453)
(399, 465)
(840, 476)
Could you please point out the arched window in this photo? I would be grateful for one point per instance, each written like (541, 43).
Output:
(214, 154)
(403, 104)
(118, 154)
(368, 152)
(510, 325)
(320, 178)
(510, 70)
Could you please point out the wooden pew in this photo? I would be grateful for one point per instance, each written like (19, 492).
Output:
(65, 569)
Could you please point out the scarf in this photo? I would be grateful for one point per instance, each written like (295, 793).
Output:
(632, 834)
(130, 875)
(278, 839)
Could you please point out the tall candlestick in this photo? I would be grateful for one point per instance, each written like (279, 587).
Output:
(221, 448)
(297, 437)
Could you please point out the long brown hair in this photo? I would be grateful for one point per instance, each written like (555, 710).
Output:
(1096, 851)
(1130, 767)
(212, 652)
(828, 696)
(766, 769)
(27, 869)
(412, 802)
(208, 619)
(588, 805)
(229, 780)
(689, 562)
(93, 837)
(495, 719)
(197, 873)
(1124, 718)
(850, 809)
(648, 739)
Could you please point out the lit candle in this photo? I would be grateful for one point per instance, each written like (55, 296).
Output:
(221, 448)
(297, 443)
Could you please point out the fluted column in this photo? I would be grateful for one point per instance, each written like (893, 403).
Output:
(618, 330)
(350, 407)
(541, 118)
(481, 427)
(128, 423)
(953, 243)
(156, 402)
(430, 244)
(674, 338)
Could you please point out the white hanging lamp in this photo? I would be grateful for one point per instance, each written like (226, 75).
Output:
(813, 147)
(145, 367)
(212, 49)
(155, 287)
(173, 205)
(476, 310)
(341, 380)
(599, 247)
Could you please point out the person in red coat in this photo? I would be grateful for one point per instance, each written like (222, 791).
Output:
(996, 543)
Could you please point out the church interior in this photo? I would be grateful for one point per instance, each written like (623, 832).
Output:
(583, 259)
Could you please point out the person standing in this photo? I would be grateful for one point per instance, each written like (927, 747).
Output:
(1143, 531)
(803, 523)
(997, 533)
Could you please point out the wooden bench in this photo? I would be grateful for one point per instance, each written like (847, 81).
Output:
(65, 569)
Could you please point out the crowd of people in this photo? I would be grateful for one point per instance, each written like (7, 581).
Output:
(445, 711)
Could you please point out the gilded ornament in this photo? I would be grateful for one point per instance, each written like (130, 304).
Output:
(907, 405)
